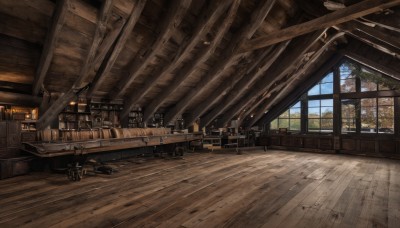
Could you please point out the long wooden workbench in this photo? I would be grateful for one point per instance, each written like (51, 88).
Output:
(59, 148)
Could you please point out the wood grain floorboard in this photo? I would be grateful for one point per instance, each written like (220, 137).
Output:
(255, 189)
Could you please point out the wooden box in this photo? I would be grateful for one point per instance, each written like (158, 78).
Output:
(11, 167)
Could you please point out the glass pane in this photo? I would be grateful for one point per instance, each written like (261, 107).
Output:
(297, 105)
(368, 102)
(386, 112)
(327, 102)
(314, 90)
(385, 101)
(348, 125)
(295, 124)
(326, 125)
(368, 86)
(314, 103)
(328, 78)
(386, 125)
(327, 112)
(348, 109)
(285, 114)
(313, 125)
(327, 88)
(295, 113)
(283, 123)
(348, 85)
(313, 112)
(346, 71)
(274, 125)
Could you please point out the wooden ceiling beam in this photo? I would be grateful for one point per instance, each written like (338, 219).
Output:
(276, 72)
(287, 86)
(340, 16)
(208, 17)
(293, 95)
(168, 26)
(19, 99)
(373, 32)
(59, 15)
(52, 112)
(246, 32)
(190, 67)
(240, 87)
(119, 45)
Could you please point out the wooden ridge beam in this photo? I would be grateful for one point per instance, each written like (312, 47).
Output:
(119, 44)
(241, 86)
(59, 15)
(52, 112)
(246, 32)
(208, 17)
(167, 27)
(190, 67)
(347, 14)
(276, 72)
(315, 76)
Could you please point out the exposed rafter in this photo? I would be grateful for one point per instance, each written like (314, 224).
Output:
(52, 112)
(373, 32)
(119, 45)
(62, 7)
(372, 60)
(227, 58)
(347, 14)
(294, 95)
(248, 66)
(285, 87)
(207, 19)
(241, 86)
(190, 67)
(276, 72)
(168, 26)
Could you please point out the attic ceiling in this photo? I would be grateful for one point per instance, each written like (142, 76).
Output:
(227, 59)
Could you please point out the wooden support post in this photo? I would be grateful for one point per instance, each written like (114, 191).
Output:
(347, 14)
(62, 7)
(228, 57)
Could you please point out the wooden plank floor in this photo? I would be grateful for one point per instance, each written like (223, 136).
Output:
(255, 189)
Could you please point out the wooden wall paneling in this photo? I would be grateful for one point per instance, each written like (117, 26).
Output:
(310, 142)
(348, 144)
(387, 146)
(367, 146)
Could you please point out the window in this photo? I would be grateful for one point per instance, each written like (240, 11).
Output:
(386, 115)
(325, 86)
(290, 119)
(347, 78)
(349, 115)
(320, 115)
(368, 115)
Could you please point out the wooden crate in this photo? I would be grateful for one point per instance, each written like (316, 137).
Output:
(16, 166)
